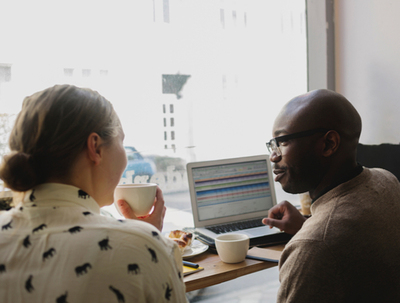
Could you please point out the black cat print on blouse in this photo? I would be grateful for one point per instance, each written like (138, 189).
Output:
(52, 242)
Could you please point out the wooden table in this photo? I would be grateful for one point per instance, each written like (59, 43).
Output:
(215, 271)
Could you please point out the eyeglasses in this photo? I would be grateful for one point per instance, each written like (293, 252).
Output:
(273, 144)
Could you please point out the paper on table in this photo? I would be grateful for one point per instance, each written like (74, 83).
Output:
(190, 270)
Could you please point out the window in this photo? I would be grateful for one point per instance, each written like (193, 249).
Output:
(68, 72)
(86, 72)
(166, 10)
(202, 80)
(160, 11)
(5, 128)
(5, 73)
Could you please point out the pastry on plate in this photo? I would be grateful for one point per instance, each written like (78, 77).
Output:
(182, 238)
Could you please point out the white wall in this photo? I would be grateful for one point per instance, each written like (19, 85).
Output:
(367, 58)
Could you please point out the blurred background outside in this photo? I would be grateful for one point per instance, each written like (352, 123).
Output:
(190, 80)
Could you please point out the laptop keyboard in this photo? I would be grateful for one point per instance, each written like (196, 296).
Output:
(225, 228)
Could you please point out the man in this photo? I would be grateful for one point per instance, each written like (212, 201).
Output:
(349, 249)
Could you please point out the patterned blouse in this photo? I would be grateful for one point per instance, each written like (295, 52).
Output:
(56, 247)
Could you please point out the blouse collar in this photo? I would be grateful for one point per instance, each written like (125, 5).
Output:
(60, 195)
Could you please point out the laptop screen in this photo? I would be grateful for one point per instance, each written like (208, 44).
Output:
(231, 187)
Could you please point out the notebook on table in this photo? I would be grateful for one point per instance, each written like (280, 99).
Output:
(232, 196)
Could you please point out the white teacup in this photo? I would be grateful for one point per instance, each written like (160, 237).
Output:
(232, 248)
(140, 197)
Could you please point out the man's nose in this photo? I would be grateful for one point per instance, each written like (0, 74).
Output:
(274, 157)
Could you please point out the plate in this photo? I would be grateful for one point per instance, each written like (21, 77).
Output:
(197, 248)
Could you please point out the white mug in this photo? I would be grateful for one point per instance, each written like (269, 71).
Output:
(232, 248)
(139, 196)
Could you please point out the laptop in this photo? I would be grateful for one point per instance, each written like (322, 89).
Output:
(231, 196)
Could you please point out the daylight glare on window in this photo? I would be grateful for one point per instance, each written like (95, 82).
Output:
(190, 80)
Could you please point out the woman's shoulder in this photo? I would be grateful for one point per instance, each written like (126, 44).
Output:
(121, 225)
(127, 228)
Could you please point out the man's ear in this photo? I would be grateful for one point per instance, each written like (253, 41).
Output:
(332, 142)
(94, 148)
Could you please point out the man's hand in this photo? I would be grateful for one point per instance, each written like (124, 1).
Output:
(156, 218)
(286, 217)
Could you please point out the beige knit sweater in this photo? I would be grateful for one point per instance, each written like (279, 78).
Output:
(349, 250)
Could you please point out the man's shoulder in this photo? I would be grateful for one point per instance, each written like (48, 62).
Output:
(380, 172)
(372, 181)
(382, 181)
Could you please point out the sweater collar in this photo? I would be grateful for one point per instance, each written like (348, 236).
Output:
(341, 188)
(351, 175)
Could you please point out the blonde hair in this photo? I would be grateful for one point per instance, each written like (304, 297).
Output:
(51, 131)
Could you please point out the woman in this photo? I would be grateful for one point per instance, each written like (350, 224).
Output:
(67, 157)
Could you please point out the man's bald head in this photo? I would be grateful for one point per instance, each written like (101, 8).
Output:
(320, 108)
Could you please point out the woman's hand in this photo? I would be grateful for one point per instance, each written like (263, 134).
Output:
(286, 217)
(156, 218)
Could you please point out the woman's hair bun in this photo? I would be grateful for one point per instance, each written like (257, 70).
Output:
(18, 172)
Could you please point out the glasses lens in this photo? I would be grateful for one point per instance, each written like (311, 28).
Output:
(269, 147)
(273, 147)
